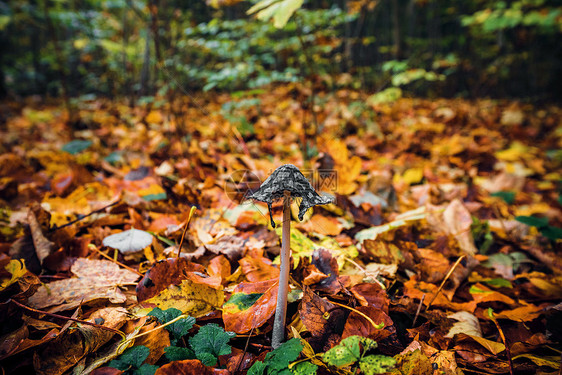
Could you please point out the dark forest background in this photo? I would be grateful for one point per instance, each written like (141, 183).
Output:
(140, 48)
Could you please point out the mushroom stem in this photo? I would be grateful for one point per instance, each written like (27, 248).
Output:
(281, 309)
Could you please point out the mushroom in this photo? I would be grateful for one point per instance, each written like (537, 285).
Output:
(286, 182)
(129, 241)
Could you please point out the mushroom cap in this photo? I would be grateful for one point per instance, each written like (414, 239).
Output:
(289, 178)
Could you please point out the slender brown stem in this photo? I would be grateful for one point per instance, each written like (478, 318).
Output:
(185, 230)
(281, 309)
(418, 311)
(445, 280)
(502, 336)
(72, 319)
(115, 261)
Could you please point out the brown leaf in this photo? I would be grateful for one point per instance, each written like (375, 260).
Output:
(356, 324)
(371, 294)
(68, 348)
(156, 341)
(240, 318)
(189, 367)
(97, 279)
(171, 271)
(43, 247)
(320, 317)
(256, 267)
(325, 263)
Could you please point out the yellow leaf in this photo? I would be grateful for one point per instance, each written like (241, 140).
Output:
(516, 151)
(154, 117)
(16, 267)
(189, 297)
(410, 176)
(549, 361)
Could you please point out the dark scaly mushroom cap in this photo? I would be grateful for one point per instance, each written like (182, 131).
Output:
(288, 178)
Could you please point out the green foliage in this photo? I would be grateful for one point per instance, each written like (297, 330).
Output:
(175, 353)
(279, 10)
(179, 328)
(131, 358)
(482, 234)
(507, 196)
(210, 342)
(277, 361)
(304, 368)
(353, 351)
(235, 113)
(549, 231)
(76, 146)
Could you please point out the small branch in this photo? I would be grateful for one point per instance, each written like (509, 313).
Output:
(244, 352)
(83, 217)
(418, 311)
(507, 350)
(185, 230)
(116, 331)
(445, 280)
(115, 261)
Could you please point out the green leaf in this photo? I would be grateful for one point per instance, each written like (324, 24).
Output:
(376, 364)
(507, 196)
(346, 353)
(155, 197)
(532, 221)
(499, 282)
(177, 329)
(132, 357)
(304, 368)
(146, 369)
(76, 146)
(551, 232)
(257, 368)
(242, 301)
(210, 342)
(277, 361)
(176, 353)
(280, 358)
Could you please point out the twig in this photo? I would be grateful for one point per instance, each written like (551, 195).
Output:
(185, 230)
(418, 311)
(68, 318)
(445, 280)
(502, 336)
(115, 261)
(85, 216)
(244, 352)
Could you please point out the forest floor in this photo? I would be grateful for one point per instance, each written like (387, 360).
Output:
(446, 228)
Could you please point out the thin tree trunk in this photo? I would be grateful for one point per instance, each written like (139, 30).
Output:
(145, 71)
(396, 34)
(73, 117)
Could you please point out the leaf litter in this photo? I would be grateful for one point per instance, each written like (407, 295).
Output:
(445, 229)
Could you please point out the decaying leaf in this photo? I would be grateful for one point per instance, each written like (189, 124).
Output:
(96, 279)
(189, 297)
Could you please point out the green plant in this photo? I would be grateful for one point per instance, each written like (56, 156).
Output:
(541, 223)
(132, 360)
(277, 361)
(353, 351)
(206, 345)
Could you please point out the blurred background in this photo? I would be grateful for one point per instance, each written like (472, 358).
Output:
(141, 48)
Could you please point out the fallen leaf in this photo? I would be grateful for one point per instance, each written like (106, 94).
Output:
(250, 305)
(96, 279)
(189, 297)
